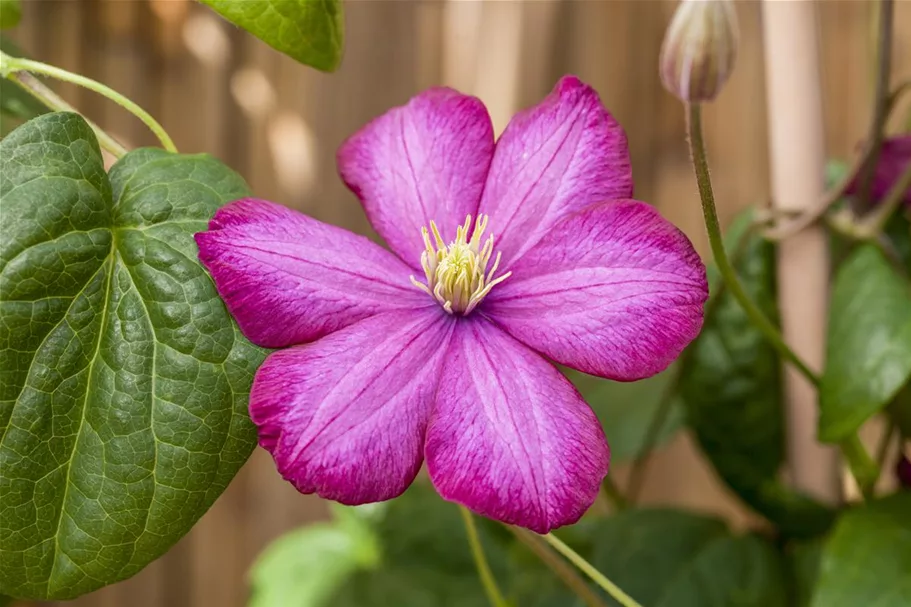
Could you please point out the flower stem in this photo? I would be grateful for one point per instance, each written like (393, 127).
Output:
(52, 100)
(563, 571)
(728, 275)
(880, 107)
(596, 576)
(876, 221)
(864, 470)
(13, 68)
(484, 572)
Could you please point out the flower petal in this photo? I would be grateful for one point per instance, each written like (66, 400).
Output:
(289, 279)
(345, 416)
(556, 158)
(510, 437)
(422, 161)
(615, 291)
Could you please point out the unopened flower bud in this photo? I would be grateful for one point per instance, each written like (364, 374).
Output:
(699, 49)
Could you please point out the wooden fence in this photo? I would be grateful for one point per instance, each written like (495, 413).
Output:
(217, 89)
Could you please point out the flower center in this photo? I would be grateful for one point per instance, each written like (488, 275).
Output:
(457, 274)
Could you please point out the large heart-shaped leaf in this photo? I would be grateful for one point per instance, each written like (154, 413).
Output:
(666, 558)
(310, 31)
(868, 343)
(731, 383)
(123, 380)
(867, 561)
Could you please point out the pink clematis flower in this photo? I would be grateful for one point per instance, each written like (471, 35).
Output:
(438, 351)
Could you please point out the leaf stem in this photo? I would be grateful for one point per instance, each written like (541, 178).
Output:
(728, 274)
(53, 101)
(659, 419)
(596, 576)
(477, 550)
(880, 107)
(610, 489)
(563, 571)
(883, 451)
(13, 67)
(864, 470)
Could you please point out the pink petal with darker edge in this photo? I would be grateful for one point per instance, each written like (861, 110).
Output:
(510, 438)
(422, 161)
(616, 291)
(345, 416)
(553, 159)
(290, 279)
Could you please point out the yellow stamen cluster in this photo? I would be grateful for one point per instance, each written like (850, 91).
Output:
(457, 274)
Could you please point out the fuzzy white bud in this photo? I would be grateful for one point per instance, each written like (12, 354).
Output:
(699, 49)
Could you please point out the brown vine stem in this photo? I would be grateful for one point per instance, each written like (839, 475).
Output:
(643, 457)
(815, 211)
(560, 568)
(880, 108)
(11, 66)
(596, 576)
(55, 102)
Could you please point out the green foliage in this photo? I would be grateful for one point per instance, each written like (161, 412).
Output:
(731, 383)
(667, 558)
(868, 343)
(627, 409)
(867, 561)
(305, 568)
(426, 559)
(124, 381)
(410, 552)
(10, 13)
(310, 31)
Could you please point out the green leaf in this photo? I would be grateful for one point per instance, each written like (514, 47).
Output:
(667, 558)
(803, 564)
(731, 384)
(123, 380)
(305, 568)
(310, 31)
(898, 232)
(867, 561)
(10, 13)
(626, 410)
(868, 343)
